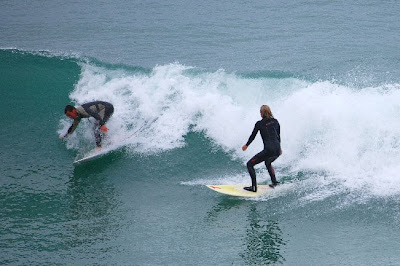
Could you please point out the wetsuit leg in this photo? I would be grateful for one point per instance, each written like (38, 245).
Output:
(258, 158)
(97, 133)
(271, 171)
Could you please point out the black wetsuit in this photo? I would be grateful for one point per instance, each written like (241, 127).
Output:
(270, 134)
(99, 110)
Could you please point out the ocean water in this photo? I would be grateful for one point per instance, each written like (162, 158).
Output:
(187, 80)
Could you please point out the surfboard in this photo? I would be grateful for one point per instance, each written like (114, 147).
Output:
(94, 154)
(238, 191)
(116, 145)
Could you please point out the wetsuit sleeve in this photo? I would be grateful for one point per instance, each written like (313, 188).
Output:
(74, 125)
(253, 135)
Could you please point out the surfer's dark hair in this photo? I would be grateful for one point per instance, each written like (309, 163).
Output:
(68, 108)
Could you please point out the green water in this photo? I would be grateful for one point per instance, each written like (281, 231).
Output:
(138, 206)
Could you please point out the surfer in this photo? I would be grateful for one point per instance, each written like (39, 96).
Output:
(101, 111)
(270, 133)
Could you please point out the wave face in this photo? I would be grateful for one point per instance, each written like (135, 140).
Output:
(347, 135)
(182, 127)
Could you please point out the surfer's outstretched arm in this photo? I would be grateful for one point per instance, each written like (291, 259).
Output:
(72, 113)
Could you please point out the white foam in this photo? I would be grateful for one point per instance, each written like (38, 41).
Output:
(351, 135)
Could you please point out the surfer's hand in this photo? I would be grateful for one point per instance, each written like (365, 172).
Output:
(104, 129)
(62, 138)
(244, 147)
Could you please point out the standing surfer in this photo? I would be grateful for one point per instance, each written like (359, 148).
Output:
(270, 133)
(99, 110)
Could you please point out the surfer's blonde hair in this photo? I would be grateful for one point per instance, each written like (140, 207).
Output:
(266, 111)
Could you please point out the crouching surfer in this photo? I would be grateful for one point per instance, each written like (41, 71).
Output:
(270, 133)
(101, 111)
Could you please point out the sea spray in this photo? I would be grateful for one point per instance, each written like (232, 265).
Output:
(347, 135)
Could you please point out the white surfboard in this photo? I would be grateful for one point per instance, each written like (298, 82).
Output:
(95, 154)
(238, 191)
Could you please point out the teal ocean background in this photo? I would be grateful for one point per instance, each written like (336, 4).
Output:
(187, 80)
